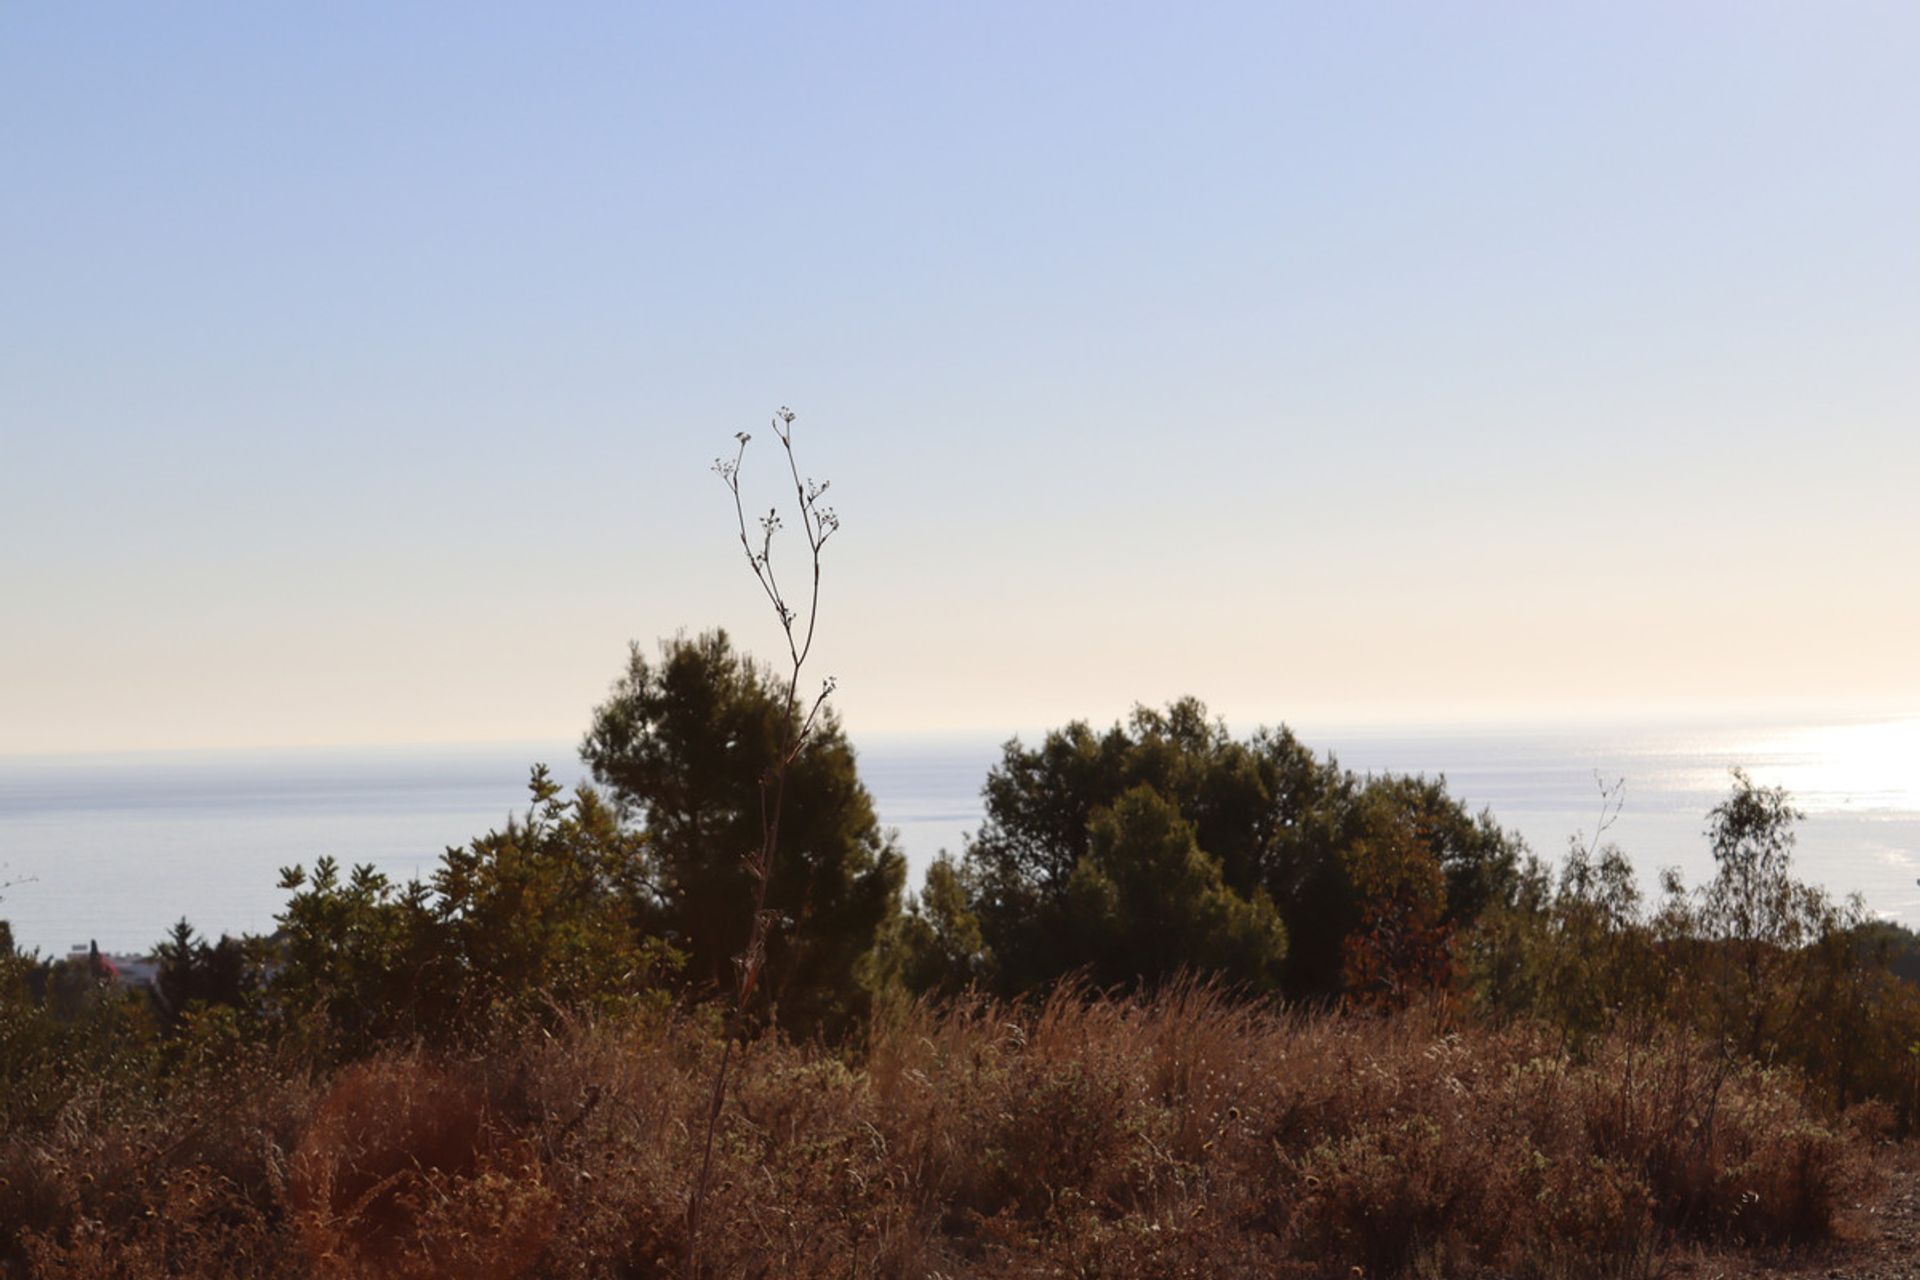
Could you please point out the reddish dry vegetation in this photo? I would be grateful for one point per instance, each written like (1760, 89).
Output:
(1181, 1136)
(407, 1170)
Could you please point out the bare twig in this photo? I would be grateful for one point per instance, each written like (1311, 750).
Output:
(819, 523)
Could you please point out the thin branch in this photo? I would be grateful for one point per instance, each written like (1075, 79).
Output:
(819, 523)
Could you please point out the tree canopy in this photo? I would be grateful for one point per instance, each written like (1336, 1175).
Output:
(1164, 842)
(684, 743)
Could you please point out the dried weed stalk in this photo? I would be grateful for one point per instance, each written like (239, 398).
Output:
(819, 523)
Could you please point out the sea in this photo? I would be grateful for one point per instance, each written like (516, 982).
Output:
(113, 849)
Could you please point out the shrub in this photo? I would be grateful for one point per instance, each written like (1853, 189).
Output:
(1181, 1133)
(407, 1170)
(1272, 830)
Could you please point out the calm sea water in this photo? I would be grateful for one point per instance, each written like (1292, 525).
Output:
(116, 848)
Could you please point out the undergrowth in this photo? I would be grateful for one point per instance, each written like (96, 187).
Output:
(1180, 1135)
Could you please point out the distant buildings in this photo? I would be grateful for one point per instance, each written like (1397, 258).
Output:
(127, 971)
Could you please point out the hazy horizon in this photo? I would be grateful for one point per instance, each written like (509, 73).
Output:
(1670, 718)
(117, 846)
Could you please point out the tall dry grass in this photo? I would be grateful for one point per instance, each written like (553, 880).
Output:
(1179, 1135)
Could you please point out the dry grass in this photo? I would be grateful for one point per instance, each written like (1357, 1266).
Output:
(124, 1183)
(1180, 1136)
(406, 1171)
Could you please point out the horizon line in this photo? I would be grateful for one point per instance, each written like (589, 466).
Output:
(1651, 717)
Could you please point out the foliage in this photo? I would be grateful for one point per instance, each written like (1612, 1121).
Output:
(549, 912)
(683, 744)
(1280, 825)
(1756, 926)
(1146, 902)
(66, 1026)
(197, 974)
(553, 909)
(1775, 965)
(1574, 946)
(1768, 968)
(1399, 949)
(935, 946)
(360, 959)
(1625, 1077)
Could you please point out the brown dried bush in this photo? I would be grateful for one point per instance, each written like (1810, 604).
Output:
(407, 1171)
(138, 1182)
(1184, 1134)
(1179, 1135)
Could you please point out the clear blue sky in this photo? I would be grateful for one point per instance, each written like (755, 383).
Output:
(360, 365)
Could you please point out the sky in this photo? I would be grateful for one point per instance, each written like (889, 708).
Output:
(361, 365)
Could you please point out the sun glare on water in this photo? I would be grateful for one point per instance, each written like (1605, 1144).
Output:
(1862, 767)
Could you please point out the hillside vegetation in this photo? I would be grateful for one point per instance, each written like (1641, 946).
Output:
(1188, 1005)
(1182, 1134)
